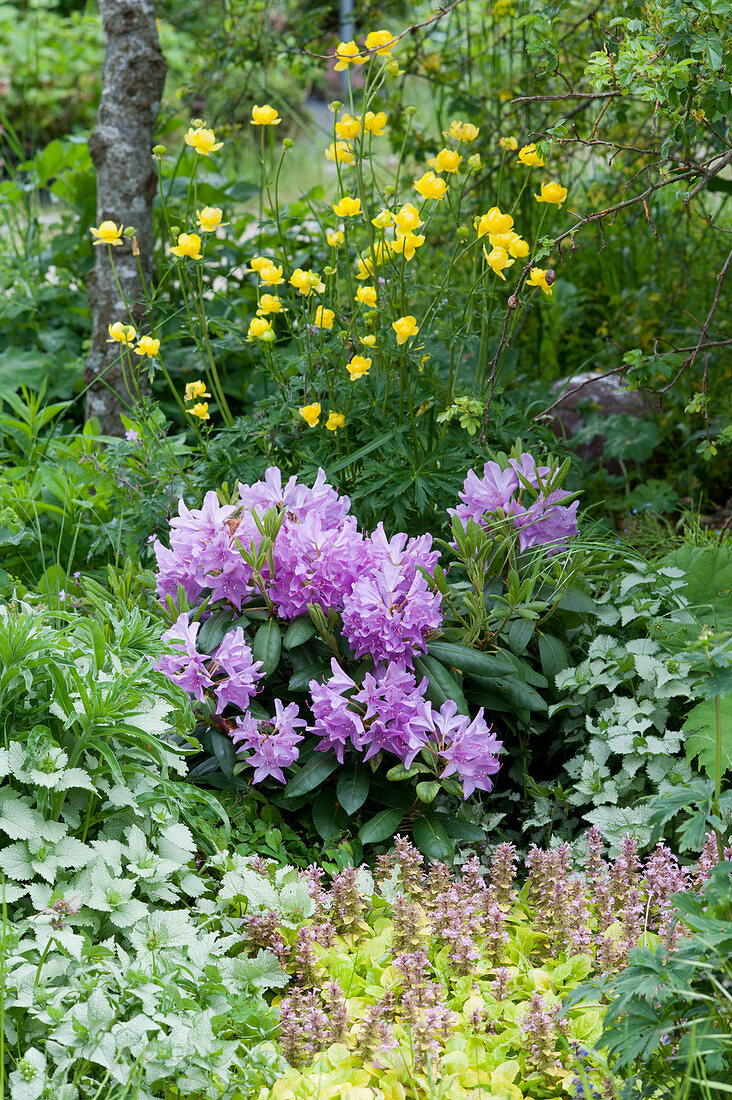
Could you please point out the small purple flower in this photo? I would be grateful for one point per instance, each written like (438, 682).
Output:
(61, 595)
(335, 723)
(396, 718)
(76, 575)
(186, 666)
(469, 748)
(272, 743)
(234, 657)
(132, 435)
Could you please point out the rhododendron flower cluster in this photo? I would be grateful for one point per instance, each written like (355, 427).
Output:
(377, 587)
(542, 520)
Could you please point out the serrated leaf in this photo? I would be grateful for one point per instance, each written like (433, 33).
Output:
(701, 727)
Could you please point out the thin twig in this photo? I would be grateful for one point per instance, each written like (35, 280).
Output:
(689, 363)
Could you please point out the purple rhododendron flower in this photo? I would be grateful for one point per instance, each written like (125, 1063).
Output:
(297, 500)
(389, 612)
(470, 748)
(546, 522)
(315, 563)
(234, 657)
(272, 743)
(403, 551)
(396, 718)
(493, 491)
(335, 723)
(186, 667)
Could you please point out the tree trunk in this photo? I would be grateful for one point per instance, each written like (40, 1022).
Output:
(120, 147)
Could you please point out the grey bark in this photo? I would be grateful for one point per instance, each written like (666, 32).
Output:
(121, 149)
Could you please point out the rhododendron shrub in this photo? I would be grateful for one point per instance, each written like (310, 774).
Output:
(305, 638)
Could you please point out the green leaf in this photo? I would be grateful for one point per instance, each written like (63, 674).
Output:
(459, 829)
(428, 790)
(211, 633)
(441, 684)
(312, 774)
(381, 827)
(553, 654)
(224, 751)
(353, 786)
(241, 191)
(701, 727)
(576, 600)
(431, 839)
(519, 634)
(299, 632)
(328, 817)
(708, 586)
(471, 661)
(268, 646)
(300, 680)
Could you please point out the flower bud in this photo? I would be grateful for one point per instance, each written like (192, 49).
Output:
(130, 231)
(135, 247)
(287, 143)
(330, 270)
(410, 111)
(158, 150)
(174, 230)
(513, 302)
(463, 232)
(392, 67)
(197, 122)
(335, 106)
(268, 336)
(474, 162)
(389, 190)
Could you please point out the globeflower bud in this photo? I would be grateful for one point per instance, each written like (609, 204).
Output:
(513, 302)
(329, 270)
(159, 150)
(474, 162)
(197, 122)
(392, 67)
(130, 231)
(287, 143)
(174, 230)
(410, 111)
(463, 233)
(389, 190)
(335, 106)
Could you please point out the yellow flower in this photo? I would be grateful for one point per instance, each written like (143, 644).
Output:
(201, 411)
(258, 262)
(107, 233)
(189, 244)
(122, 333)
(358, 366)
(368, 341)
(194, 390)
(407, 244)
(381, 252)
(334, 237)
(537, 277)
(404, 327)
(462, 131)
(509, 143)
(430, 186)
(306, 282)
(340, 152)
(366, 295)
(347, 207)
(475, 162)
(447, 160)
(498, 259)
(203, 141)
(147, 346)
(381, 41)
(270, 274)
(348, 127)
(516, 246)
(552, 192)
(382, 219)
(209, 219)
(335, 420)
(269, 303)
(407, 219)
(324, 317)
(265, 116)
(529, 156)
(375, 123)
(347, 54)
(260, 329)
(311, 413)
(493, 222)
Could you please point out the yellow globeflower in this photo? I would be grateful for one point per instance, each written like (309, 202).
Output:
(348, 127)
(493, 222)
(368, 341)
(447, 160)
(269, 303)
(538, 278)
(209, 219)
(189, 244)
(258, 262)
(265, 116)
(407, 219)
(324, 317)
(270, 274)
(311, 413)
(515, 246)
(107, 233)
(306, 282)
(380, 252)
(121, 333)
(498, 259)
(340, 152)
(358, 367)
(366, 295)
(201, 411)
(260, 329)
(381, 41)
(431, 186)
(375, 123)
(383, 219)
(203, 141)
(404, 327)
(552, 192)
(529, 156)
(509, 143)
(194, 390)
(347, 54)
(147, 346)
(347, 207)
(334, 237)
(335, 420)
(407, 244)
(463, 131)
